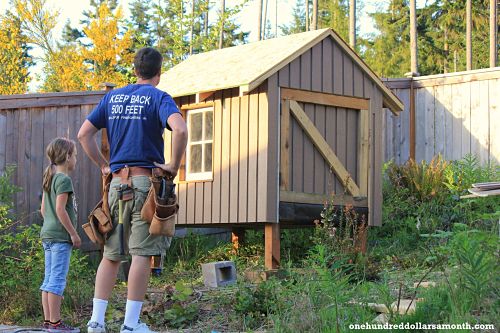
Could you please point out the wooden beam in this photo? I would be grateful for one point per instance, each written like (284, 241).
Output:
(364, 151)
(313, 97)
(284, 150)
(197, 106)
(202, 96)
(317, 139)
(272, 245)
(321, 199)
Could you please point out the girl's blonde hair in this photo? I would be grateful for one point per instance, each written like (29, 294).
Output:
(57, 152)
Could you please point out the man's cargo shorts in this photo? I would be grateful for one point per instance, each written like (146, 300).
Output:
(137, 240)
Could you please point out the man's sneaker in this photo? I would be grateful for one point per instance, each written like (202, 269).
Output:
(139, 328)
(95, 327)
(63, 328)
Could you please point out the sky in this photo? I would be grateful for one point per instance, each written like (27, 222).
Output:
(72, 10)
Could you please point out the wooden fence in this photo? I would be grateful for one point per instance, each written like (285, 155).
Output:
(455, 115)
(27, 124)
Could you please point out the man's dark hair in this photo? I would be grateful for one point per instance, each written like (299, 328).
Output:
(147, 62)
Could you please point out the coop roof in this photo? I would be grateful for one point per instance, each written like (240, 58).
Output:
(247, 66)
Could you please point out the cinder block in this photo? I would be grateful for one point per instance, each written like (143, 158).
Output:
(219, 273)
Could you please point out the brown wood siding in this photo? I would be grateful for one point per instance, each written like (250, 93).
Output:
(325, 68)
(242, 186)
(25, 134)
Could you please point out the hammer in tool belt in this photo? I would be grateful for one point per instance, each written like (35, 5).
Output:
(125, 193)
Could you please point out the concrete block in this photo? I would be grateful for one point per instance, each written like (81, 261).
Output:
(381, 319)
(403, 305)
(219, 273)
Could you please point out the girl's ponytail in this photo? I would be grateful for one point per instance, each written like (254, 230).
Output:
(47, 178)
(57, 152)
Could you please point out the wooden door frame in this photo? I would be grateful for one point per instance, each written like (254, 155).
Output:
(289, 106)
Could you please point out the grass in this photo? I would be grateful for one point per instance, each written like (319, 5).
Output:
(428, 235)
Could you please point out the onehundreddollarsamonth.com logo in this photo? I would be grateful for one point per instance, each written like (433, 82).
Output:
(421, 326)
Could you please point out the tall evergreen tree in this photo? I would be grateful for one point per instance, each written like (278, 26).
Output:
(441, 36)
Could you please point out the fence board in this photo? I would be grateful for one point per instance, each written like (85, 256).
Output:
(3, 138)
(429, 121)
(480, 120)
(36, 160)
(439, 120)
(494, 86)
(446, 101)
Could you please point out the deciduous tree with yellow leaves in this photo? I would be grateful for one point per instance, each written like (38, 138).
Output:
(110, 55)
(14, 59)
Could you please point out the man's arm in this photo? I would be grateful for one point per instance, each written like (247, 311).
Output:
(179, 142)
(86, 136)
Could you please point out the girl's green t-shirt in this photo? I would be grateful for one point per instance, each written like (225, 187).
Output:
(52, 229)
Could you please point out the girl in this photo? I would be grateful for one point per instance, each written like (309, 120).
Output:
(58, 231)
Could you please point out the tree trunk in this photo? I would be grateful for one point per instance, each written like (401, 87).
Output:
(468, 20)
(307, 15)
(259, 26)
(352, 24)
(413, 37)
(205, 23)
(446, 51)
(191, 37)
(493, 33)
(264, 21)
(222, 9)
(315, 15)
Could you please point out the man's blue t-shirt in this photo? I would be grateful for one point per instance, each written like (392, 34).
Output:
(135, 117)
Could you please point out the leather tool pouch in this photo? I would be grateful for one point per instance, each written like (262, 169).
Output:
(100, 222)
(160, 215)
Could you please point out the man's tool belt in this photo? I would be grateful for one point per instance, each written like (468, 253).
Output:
(100, 223)
(160, 213)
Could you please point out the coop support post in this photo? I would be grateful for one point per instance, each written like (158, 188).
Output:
(272, 245)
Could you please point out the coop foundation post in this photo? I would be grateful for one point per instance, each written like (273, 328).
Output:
(272, 245)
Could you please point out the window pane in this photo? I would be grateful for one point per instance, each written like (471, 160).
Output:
(208, 125)
(195, 126)
(195, 159)
(208, 157)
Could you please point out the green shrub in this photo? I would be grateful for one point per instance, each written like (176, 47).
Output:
(22, 270)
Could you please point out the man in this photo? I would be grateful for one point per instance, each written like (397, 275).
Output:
(134, 117)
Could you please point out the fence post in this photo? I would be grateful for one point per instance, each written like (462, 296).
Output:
(105, 86)
(412, 114)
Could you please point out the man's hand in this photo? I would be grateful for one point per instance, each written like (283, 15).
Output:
(105, 170)
(168, 168)
(76, 240)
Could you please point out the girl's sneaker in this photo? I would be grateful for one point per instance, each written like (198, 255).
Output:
(63, 328)
(45, 325)
(95, 327)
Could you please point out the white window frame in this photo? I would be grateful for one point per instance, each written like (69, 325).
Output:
(206, 175)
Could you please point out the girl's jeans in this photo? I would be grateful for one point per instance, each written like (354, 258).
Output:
(57, 257)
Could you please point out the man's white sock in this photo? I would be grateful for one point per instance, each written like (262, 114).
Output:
(132, 313)
(99, 310)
